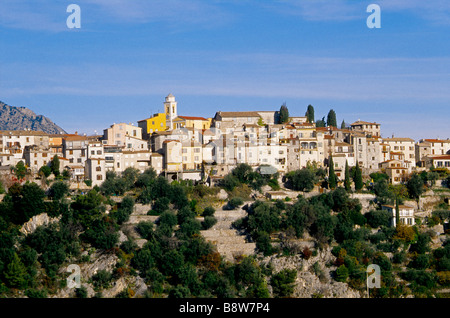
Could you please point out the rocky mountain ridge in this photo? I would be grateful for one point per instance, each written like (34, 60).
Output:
(22, 118)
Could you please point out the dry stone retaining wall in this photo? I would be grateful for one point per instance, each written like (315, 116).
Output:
(227, 240)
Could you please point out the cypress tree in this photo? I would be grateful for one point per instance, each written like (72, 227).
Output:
(331, 118)
(358, 178)
(54, 165)
(310, 114)
(347, 183)
(332, 179)
(397, 212)
(284, 114)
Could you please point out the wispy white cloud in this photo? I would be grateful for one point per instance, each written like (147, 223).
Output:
(37, 15)
(170, 11)
(435, 11)
(50, 15)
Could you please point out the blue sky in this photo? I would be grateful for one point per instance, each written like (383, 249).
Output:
(229, 55)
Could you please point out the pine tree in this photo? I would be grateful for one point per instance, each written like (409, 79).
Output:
(16, 273)
(343, 124)
(358, 178)
(332, 179)
(347, 183)
(310, 114)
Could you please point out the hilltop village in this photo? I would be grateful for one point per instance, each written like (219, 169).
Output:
(242, 204)
(206, 149)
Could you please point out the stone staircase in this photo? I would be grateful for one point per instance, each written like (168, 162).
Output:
(230, 244)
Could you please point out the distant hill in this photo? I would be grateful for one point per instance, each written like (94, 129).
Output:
(21, 118)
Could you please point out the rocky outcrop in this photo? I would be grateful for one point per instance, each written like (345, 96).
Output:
(36, 221)
(308, 284)
(134, 285)
(99, 261)
(222, 195)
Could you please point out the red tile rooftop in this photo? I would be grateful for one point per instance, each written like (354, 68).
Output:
(192, 118)
(438, 140)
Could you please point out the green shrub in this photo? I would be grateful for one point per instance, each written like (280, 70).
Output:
(342, 273)
(235, 202)
(102, 279)
(208, 222)
(378, 218)
(145, 229)
(36, 293)
(81, 292)
(283, 282)
(208, 211)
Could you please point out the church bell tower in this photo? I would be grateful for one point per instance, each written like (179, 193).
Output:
(170, 108)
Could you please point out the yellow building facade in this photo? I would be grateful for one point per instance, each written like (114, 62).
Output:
(153, 124)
